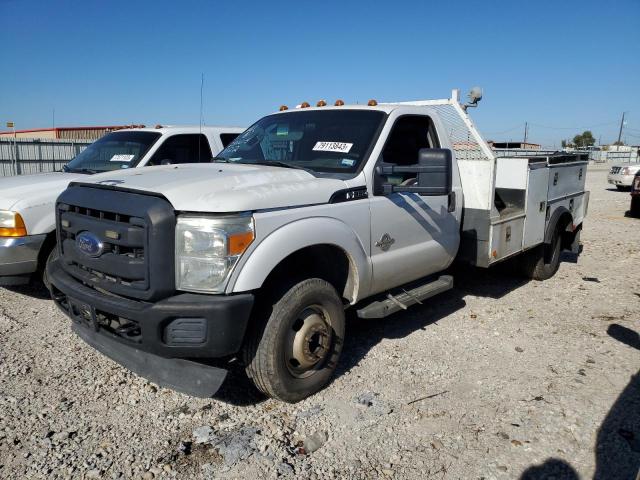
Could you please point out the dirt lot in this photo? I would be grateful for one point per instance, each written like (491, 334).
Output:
(499, 378)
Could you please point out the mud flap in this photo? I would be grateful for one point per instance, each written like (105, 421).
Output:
(576, 246)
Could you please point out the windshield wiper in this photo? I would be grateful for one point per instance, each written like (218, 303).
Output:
(276, 163)
(87, 171)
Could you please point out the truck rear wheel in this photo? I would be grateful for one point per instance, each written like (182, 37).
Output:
(543, 261)
(294, 353)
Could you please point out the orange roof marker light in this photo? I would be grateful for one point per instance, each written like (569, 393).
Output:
(283, 108)
(304, 105)
(321, 103)
(339, 103)
(158, 126)
(372, 103)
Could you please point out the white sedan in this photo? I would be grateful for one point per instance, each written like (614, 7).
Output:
(622, 175)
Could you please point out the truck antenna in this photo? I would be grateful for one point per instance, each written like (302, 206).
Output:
(201, 114)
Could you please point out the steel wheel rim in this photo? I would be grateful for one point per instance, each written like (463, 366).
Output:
(309, 341)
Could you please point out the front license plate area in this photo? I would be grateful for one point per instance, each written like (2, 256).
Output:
(83, 313)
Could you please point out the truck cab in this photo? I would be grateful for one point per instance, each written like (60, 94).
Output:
(27, 219)
(177, 270)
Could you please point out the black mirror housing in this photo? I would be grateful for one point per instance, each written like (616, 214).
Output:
(434, 173)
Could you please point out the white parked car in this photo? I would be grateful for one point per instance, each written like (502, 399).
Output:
(622, 175)
(27, 217)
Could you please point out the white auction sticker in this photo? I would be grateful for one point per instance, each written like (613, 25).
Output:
(122, 157)
(339, 147)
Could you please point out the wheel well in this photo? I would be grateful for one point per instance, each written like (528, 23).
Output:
(47, 245)
(327, 262)
(560, 220)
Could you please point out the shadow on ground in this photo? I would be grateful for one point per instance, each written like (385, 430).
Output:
(552, 468)
(33, 289)
(363, 334)
(618, 442)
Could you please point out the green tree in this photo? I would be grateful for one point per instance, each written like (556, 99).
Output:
(584, 139)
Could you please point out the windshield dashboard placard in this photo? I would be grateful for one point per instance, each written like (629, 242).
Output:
(338, 147)
(122, 157)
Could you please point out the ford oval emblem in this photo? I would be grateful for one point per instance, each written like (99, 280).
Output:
(89, 244)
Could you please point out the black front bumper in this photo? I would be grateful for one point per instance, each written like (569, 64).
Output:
(156, 340)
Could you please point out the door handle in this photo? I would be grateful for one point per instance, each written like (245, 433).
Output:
(452, 202)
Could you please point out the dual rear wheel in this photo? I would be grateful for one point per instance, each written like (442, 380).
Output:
(543, 261)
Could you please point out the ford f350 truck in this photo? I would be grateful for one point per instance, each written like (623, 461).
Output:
(27, 202)
(175, 271)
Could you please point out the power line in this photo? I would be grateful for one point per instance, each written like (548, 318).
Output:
(517, 127)
(574, 128)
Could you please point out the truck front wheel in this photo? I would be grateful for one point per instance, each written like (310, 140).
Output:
(294, 352)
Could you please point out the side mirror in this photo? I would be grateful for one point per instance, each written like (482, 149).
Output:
(433, 172)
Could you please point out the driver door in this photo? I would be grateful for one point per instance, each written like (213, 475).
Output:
(412, 235)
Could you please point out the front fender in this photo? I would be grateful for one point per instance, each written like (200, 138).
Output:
(251, 273)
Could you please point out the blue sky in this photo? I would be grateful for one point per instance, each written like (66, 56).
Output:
(562, 64)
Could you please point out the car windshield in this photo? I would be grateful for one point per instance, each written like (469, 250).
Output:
(114, 151)
(332, 140)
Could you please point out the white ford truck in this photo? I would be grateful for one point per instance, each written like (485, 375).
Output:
(177, 271)
(27, 212)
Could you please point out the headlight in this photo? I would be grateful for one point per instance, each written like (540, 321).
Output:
(11, 224)
(208, 248)
(626, 171)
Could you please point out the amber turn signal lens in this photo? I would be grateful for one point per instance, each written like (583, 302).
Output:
(18, 230)
(372, 103)
(238, 242)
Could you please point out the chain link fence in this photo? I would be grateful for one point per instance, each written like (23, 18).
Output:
(21, 156)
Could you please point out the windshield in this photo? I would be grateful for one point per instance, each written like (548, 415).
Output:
(322, 141)
(114, 151)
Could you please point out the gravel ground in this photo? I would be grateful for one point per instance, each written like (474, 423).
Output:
(499, 378)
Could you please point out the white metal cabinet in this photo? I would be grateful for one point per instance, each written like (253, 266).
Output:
(536, 205)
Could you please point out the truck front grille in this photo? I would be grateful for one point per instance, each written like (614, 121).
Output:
(132, 235)
(123, 237)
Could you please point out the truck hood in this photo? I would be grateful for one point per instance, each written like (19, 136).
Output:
(24, 191)
(222, 187)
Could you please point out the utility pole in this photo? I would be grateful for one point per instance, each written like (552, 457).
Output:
(621, 125)
(526, 131)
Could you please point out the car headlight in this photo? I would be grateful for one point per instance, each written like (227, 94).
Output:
(11, 224)
(208, 248)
